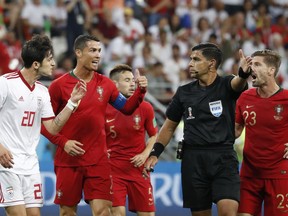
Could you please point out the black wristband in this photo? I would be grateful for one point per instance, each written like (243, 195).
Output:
(158, 148)
(242, 74)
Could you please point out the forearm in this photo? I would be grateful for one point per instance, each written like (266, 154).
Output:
(150, 143)
(134, 101)
(165, 134)
(238, 83)
(238, 130)
(54, 126)
(58, 139)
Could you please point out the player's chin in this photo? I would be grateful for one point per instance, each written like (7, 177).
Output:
(47, 74)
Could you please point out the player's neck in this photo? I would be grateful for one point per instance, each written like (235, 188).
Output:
(268, 91)
(208, 79)
(30, 76)
(83, 74)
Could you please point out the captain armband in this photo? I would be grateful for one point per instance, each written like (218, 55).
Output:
(242, 74)
(158, 148)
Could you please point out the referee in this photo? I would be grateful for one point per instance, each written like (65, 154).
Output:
(209, 166)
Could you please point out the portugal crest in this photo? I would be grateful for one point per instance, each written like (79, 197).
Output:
(278, 112)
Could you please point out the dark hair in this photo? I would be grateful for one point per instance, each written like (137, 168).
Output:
(36, 49)
(118, 69)
(271, 58)
(80, 42)
(210, 51)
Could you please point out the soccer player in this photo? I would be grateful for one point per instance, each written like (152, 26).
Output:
(128, 150)
(24, 104)
(263, 111)
(209, 166)
(81, 160)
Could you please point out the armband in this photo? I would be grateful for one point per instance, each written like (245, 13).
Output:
(158, 148)
(242, 74)
(71, 105)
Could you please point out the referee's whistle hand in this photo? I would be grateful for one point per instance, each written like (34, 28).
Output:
(149, 166)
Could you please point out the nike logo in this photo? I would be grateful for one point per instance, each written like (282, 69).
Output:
(249, 106)
(109, 120)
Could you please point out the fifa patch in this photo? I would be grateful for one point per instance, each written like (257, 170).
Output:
(154, 123)
(216, 108)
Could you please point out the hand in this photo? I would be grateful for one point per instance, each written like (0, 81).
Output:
(286, 151)
(149, 166)
(73, 148)
(6, 158)
(245, 62)
(141, 81)
(138, 160)
(79, 91)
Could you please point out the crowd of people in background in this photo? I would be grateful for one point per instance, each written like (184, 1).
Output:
(154, 35)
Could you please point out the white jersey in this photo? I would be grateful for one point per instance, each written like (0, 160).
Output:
(22, 108)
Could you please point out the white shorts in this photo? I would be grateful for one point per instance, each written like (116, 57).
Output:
(16, 189)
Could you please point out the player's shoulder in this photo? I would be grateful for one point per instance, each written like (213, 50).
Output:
(102, 78)
(40, 85)
(283, 93)
(249, 94)
(250, 91)
(10, 76)
(146, 104)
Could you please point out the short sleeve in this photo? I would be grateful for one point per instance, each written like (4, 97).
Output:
(4, 91)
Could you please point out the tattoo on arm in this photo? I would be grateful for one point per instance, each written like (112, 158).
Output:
(57, 120)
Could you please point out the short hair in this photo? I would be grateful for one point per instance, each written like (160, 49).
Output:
(36, 49)
(80, 42)
(210, 51)
(118, 69)
(271, 58)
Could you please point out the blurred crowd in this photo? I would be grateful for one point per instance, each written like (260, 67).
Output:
(154, 35)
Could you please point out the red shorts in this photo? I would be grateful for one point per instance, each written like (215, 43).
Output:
(94, 180)
(274, 193)
(139, 192)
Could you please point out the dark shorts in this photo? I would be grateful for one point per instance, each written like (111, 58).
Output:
(209, 176)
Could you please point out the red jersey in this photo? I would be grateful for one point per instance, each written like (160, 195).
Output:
(266, 122)
(126, 135)
(87, 123)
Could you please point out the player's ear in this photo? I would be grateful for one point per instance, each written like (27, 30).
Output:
(36, 65)
(116, 83)
(78, 52)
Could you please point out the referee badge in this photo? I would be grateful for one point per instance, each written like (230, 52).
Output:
(216, 108)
